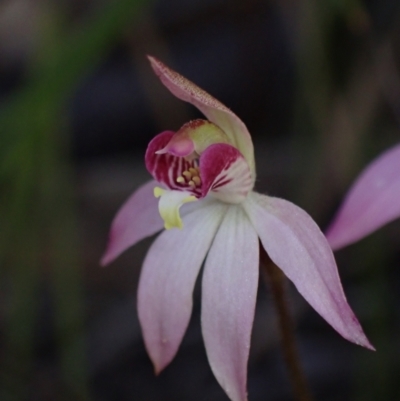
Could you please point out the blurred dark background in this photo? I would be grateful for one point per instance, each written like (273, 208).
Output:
(317, 84)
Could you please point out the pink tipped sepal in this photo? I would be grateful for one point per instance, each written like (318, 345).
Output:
(373, 201)
(138, 218)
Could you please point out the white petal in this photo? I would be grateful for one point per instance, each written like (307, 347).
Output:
(167, 280)
(229, 296)
(295, 244)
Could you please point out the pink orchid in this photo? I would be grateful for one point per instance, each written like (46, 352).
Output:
(209, 164)
(373, 201)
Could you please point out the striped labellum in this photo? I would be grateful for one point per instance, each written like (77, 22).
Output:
(178, 162)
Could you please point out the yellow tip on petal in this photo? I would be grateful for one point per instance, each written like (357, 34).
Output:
(158, 192)
(169, 205)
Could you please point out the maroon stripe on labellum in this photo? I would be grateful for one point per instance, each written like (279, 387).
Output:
(166, 168)
(221, 168)
(215, 163)
(220, 183)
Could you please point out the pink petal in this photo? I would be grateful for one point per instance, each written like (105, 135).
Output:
(296, 245)
(225, 172)
(373, 201)
(215, 111)
(138, 218)
(165, 167)
(228, 301)
(167, 280)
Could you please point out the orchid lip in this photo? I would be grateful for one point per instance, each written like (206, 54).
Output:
(220, 171)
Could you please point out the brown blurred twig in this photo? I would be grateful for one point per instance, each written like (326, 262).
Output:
(276, 282)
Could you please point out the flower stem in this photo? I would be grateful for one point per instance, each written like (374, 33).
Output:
(277, 284)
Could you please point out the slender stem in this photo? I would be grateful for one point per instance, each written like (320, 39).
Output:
(276, 281)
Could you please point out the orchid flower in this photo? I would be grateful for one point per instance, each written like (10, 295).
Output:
(373, 201)
(208, 166)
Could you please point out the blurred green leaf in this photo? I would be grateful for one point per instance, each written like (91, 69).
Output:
(62, 67)
(37, 213)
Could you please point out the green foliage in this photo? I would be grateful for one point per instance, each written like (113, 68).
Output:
(37, 212)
